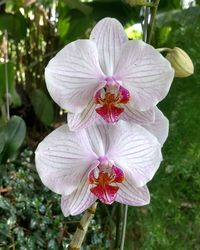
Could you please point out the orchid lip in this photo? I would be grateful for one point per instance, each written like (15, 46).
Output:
(110, 100)
(104, 181)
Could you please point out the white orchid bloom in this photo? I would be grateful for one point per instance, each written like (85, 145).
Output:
(105, 162)
(108, 77)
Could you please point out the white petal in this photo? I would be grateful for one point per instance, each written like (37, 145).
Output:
(62, 158)
(84, 119)
(74, 75)
(135, 149)
(134, 196)
(109, 35)
(140, 117)
(98, 136)
(81, 199)
(160, 127)
(145, 73)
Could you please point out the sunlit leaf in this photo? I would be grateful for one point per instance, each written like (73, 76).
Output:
(14, 98)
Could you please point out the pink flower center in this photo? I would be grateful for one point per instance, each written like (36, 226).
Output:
(104, 179)
(111, 99)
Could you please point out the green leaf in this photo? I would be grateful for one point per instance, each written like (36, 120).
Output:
(15, 24)
(2, 141)
(43, 107)
(14, 97)
(5, 204)
(14, 133)
(163, 34)
(77, 28)
(63, 26)
(75, 4)
(4, 229)
(117, 9)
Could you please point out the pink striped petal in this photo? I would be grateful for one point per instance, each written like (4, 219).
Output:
(74, 75)
(84, 119)
(81, 199)
(134, 149)
(62, 159)
(134, 196)
(160, 127)
(97, 135)
(109, 36)
(130, 114)
(145, 73)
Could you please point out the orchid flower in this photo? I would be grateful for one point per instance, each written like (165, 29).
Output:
(108, 77)
(105, 162)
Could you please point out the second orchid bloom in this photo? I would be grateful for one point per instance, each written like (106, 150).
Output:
(105, 162)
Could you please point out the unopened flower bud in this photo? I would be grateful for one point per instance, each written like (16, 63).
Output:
(181, 62)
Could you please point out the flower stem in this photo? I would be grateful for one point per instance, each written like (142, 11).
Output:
(140, 3)
(145, 25)
(152, 21)
(6, 74)
(164, 49)
(82, 228)
(118, 226)
(124, 227)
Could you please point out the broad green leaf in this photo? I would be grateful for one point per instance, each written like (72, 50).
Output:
(15, 24)
(163, 34)
(14, 97)
(14, 133)
(43, 107)
(77, 28)
(2, 141)
(75, 4)
(63, 26)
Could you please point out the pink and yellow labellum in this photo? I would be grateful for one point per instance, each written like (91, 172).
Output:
(105, 179)
(111, 99)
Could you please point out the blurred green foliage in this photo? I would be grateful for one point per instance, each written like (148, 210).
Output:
(31, 217)
(30, 214)
(172, 220)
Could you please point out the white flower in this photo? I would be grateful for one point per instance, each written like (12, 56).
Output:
(108, 77)
(105, 162)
